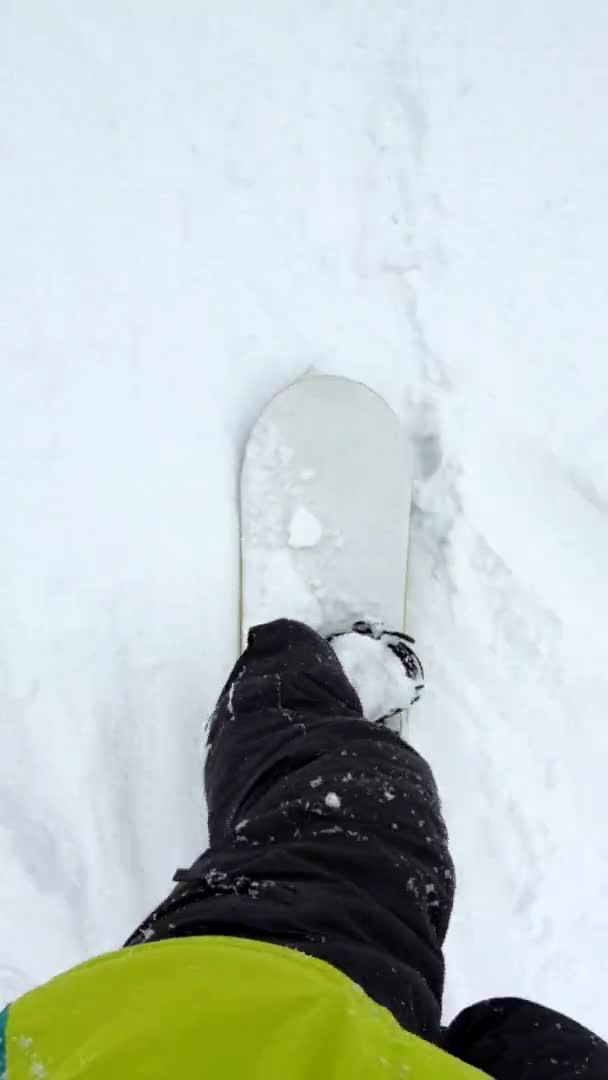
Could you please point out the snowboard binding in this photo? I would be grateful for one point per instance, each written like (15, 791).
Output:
(400, 645)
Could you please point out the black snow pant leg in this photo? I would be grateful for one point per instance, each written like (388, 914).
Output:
(325, 831)
(513, 1039)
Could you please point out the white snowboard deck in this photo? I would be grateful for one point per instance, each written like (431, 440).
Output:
(325, 508)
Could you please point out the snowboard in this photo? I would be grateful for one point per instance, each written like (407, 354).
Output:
(325, 509)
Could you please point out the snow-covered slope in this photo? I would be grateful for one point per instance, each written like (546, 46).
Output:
(197, 205)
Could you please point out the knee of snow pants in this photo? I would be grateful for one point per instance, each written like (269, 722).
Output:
(325, 831)
(513, 1039)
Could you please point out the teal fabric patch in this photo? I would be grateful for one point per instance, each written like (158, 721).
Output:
(3, 1023)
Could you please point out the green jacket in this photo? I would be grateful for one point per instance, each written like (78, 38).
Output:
(214, 1007)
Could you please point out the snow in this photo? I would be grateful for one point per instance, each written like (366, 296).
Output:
(333, 800)
(196, 208)
(305, 530)
(279, 576)
(376, 673)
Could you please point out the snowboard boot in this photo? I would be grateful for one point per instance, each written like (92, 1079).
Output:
(383, 668)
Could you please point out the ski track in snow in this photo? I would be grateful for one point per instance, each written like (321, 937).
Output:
(194, 211)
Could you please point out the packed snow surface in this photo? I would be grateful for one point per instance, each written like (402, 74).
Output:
(200, 202)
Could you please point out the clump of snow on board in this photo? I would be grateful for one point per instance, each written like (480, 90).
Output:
(305, 530)
(376, 673)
